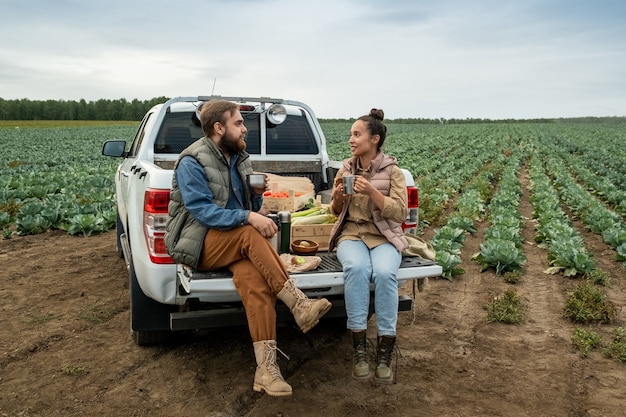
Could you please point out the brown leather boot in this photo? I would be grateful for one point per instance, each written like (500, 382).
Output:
(267, 376)
(306, 311)
(360, 369)
(384, 373)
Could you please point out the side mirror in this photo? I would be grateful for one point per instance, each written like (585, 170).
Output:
(115, 148)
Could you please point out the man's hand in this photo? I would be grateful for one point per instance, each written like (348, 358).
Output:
(264, 225)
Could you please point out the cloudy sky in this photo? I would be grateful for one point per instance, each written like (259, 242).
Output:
(412, 58)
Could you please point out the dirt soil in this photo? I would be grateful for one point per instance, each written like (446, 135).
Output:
(66, 348)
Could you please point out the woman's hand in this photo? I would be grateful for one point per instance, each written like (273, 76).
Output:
(338, 198)
(338, 192)
(363, 186)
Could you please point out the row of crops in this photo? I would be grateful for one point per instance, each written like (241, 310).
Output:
(55, 178)
(470, 173)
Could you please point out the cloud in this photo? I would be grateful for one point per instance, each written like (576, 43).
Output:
(490, 59)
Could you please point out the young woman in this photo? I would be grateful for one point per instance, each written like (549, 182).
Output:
(369, 240)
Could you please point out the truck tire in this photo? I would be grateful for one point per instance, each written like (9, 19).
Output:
(119, 230)
(149, 319)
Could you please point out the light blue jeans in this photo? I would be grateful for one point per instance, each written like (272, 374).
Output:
(362, 267)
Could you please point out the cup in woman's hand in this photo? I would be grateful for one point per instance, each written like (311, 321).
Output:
(348, 184)
(256, 182)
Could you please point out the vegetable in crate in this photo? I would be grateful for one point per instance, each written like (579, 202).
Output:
(315, 215)
(282, 194)
(314, 219)
(307, 212)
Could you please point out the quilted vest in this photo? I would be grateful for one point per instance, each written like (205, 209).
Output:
(184, 236)
(380, 179)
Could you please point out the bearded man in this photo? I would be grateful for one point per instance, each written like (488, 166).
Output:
(215, 223)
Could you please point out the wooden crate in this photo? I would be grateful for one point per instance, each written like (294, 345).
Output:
(292, 186)
(291, 203)
(319, 233)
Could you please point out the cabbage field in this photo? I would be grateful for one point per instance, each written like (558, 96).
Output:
(53, 177)
(470, 173)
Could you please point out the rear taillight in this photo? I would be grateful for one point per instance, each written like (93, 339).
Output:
(413, 197)
(412, 217)
(154, 220)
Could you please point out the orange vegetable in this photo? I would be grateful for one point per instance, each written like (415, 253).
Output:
(278, 194)
(282, 194)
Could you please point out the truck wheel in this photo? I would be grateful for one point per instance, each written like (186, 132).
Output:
(149, 319)
(119, 229)
(148, 338)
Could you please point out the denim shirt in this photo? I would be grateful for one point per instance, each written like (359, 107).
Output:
(198, 198)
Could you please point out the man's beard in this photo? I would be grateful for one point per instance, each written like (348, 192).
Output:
(231, 144)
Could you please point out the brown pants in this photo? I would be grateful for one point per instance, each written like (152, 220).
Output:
(258, 273)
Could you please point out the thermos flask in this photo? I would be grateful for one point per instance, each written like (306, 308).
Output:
(285, 230)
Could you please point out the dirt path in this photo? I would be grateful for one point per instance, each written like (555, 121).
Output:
(66, 348)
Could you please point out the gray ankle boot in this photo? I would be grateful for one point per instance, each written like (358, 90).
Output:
(384, 373)
(360, 369)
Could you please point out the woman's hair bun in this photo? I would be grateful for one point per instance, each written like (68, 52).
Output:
(377, 114)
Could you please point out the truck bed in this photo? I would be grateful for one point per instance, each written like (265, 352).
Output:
(329, 263)
(325, 281)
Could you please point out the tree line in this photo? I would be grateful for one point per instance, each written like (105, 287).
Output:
(122, 109)
(102, 109)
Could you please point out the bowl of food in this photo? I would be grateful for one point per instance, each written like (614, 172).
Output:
(304, 247)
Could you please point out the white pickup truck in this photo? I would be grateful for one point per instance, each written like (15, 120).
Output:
(285, 138)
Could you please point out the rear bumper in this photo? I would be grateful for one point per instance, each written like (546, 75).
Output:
(235, 315)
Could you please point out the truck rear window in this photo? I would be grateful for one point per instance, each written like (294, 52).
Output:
(293, 136)
(176, 133)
